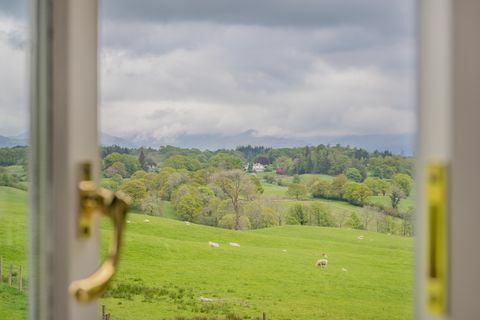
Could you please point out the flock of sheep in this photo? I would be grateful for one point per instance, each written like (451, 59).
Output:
(321, 263)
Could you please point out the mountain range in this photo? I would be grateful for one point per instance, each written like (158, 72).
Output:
(396, 143)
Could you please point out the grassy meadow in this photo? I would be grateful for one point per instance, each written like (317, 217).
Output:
(167, 269)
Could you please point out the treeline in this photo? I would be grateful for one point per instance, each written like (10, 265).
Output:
(330, 160)
(13, 156)
(356, 163)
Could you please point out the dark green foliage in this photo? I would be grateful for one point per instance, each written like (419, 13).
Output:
(13, 156)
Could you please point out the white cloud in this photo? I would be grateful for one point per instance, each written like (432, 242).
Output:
(238, 78)
(13, 79)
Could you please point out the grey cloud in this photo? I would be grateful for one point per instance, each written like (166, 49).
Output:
(392, 16)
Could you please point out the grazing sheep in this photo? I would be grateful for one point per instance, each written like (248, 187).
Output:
(187, 223)
(128, 221)
(213, 244)
(344, 270)
(146, 221)
(284, 250)
(322, 263)
(205, 299)
(234, 244)
(360, 237)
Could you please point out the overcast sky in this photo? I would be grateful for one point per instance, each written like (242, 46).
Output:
(286, 68)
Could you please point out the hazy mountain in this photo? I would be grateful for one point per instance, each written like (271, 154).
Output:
(19, 140)
(109, 140)
(399, 143)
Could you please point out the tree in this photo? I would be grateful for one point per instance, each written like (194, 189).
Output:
(337, 187)
(226, 161)
(396, 195)
(182, 162)
(377, 186)
(321, 215)
(296, 179)
(237, 187)
(116, 168)
(136, 190)
(320, 188)
(297, 215)
(357, 193)
(130, 162)
(152, 206)
(189, 207)
(257, 184)
(297, 190)
(367, 214)
(142, 160)
(404, 182)
(354, 221)
(354, 174)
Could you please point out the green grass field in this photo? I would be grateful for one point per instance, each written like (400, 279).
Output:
(167, 266)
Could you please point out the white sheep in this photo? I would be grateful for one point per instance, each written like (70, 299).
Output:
(146, 221)
(187, 223)
(213, 244)
(234, 244)
(360, 237)
(321, 263)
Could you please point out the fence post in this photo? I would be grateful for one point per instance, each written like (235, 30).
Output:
(108, 316)
(103, 312)
(10, 275)
(1, 268)
(264, 317)
(20, 284)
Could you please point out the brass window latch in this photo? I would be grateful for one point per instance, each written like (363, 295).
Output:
(94, 200)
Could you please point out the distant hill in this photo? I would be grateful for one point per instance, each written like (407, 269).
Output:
(396, 143)
(13, 141)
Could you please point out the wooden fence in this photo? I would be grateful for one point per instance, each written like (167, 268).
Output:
(12, 275)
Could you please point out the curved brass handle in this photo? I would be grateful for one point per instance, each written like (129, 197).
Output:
(114, 205)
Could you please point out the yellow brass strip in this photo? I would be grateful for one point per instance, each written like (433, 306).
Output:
(437, 263)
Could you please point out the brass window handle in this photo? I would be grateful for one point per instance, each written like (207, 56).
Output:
(114, 205)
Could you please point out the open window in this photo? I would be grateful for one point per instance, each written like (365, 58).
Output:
(238, 136)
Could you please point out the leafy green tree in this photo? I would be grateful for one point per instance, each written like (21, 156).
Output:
(130, 162)
(378, 186)
(182, 162)
(396, 195)
(296, 179)
(354, 221)
(117, 168)
(140, 174)
(297, 190)
(320, 188)
(404, 182)
(142, 160)
(257, 184)
(237, 187)
(337, 187)
(136, 190)
(189, 207)
(226, 161)
(354, 174)
(321, 215)
(297, 215)
(357, 193)
(152, 205)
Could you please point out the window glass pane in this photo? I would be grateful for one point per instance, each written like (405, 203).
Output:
(13, 159)
(268, 150)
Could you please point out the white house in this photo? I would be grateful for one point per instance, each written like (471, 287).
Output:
(256, 167)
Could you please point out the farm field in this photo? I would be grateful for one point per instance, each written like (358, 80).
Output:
(167, 268)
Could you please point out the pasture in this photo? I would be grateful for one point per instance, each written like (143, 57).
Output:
(168, 270)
